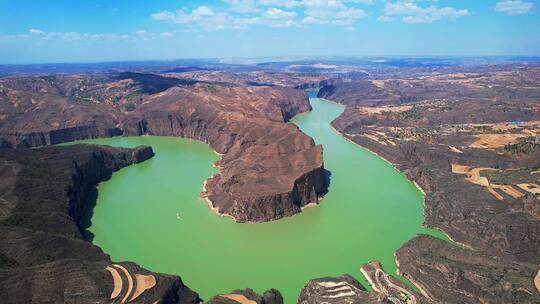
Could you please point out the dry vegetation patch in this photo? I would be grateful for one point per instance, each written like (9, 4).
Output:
(384, 109)
(141, 283)
(473, 176)
(239, 298)
(495, 141)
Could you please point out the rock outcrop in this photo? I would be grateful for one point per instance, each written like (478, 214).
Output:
(394, 290)
(347, 290)
(269, 169)
(458, 275)
(338, 290)
(248, 296)
(46, 198)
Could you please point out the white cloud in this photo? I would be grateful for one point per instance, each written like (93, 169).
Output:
(163, 16)
(349, 28)
(296, 3)
(349, 16)
(310, 20)
(36, 31)
(516, 7)
(413, 13)
(367, 2)
(182, 16)
(83, 36)
(276, 13)
(330, 12)
(203, 17)
(40, 35)
(275, 17)
(385, 18)
(281, 3)
(203, 11)
(242, 6)
(240, 14)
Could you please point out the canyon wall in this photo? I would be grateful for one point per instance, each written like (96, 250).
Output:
(46, 197)
(269, 169)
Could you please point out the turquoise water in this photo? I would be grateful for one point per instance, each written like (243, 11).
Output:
(151, 213)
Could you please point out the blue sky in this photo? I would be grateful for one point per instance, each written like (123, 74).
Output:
(111, 30)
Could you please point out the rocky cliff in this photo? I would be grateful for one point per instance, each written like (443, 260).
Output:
(269, 169)
(46, 197)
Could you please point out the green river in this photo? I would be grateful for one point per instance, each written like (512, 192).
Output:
(151, 213)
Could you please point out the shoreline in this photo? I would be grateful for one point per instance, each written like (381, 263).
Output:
(210, 203)
(424, 194)
(379, 156)
(410, 279)
(394, 165)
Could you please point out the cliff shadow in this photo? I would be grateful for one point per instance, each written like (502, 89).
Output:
(85, 220)
(327, 177)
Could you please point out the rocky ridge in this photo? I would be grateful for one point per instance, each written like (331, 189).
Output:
(269, 169)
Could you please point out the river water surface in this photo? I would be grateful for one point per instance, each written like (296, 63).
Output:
(151, 213)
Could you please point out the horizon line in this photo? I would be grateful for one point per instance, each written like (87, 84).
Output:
(292, 57)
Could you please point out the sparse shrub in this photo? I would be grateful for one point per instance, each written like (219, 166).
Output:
(524, 146)
(412, 113)
(129, 106)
